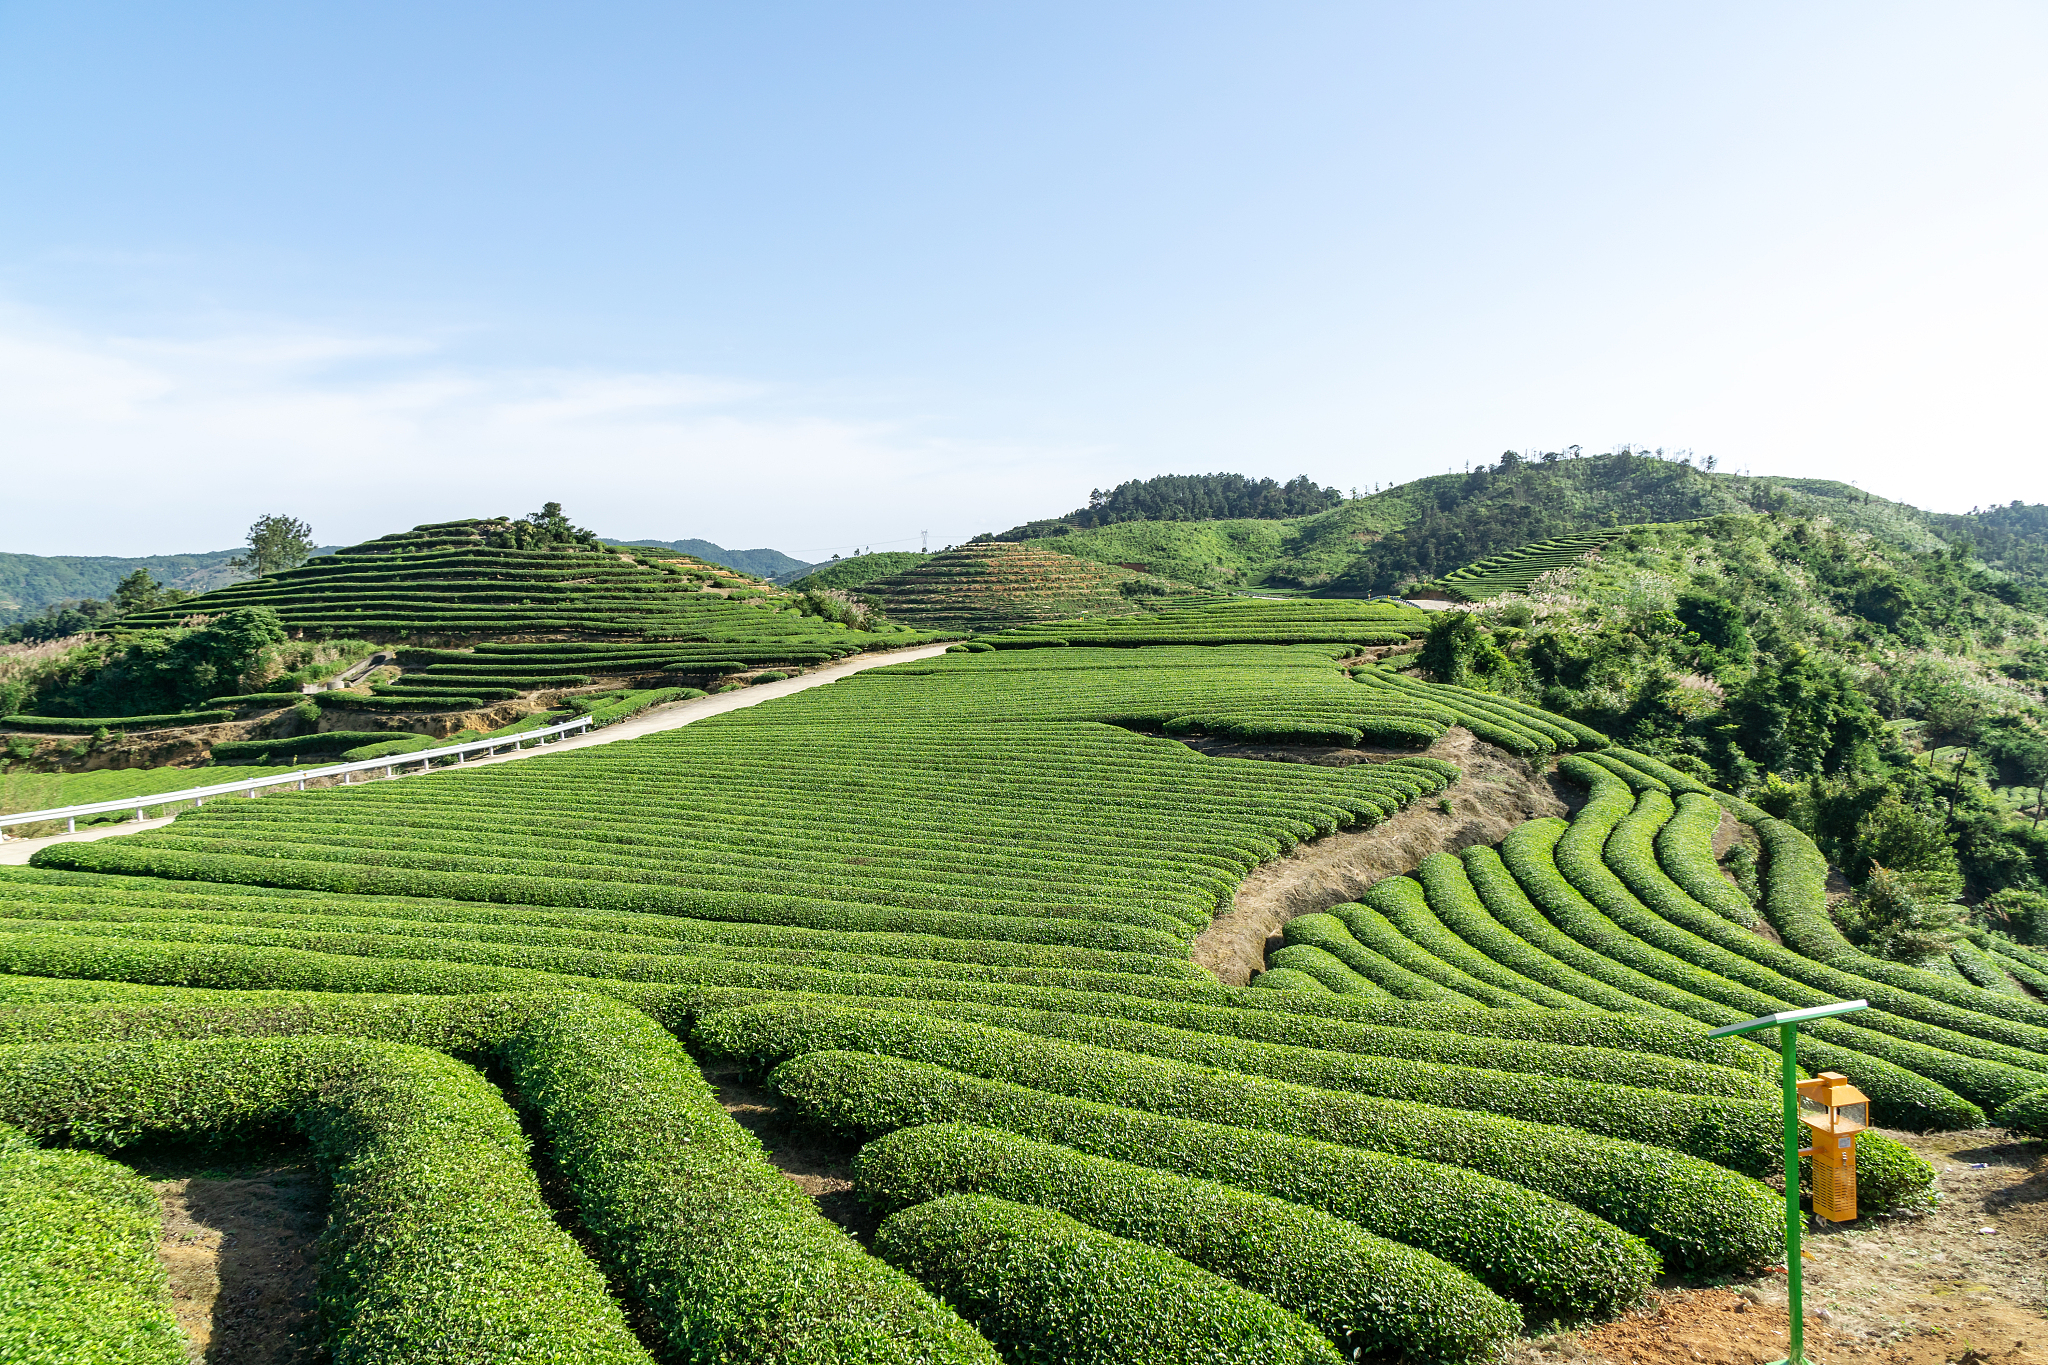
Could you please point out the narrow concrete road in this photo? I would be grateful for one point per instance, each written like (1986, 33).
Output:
(670, 717)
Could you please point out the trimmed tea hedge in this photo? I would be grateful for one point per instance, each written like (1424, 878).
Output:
(85, 725)
(728, 1255)
(440, 1245)
(331, 742)
(1519, 1243)
(1735, 1130)
(1696, 1213)
(1042, 1286)
(1365, 1293)
(79, 1275)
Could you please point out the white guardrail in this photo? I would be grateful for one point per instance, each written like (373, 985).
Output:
(70, 815)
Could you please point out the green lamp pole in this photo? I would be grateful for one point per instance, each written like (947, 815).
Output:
(1787, 1023)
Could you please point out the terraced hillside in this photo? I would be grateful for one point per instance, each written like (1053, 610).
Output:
(1232, 622)
(1624, 908)
(939, 913)
(1517, 569)
(448, 582)
(986, 586)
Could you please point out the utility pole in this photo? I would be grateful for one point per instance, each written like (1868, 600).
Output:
(924, 542)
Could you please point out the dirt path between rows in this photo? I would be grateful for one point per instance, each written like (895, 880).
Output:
(1496, 792)
(239, 1252)
(1964, 1285)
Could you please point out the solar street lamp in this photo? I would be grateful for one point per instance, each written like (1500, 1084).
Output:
(1825, 1087)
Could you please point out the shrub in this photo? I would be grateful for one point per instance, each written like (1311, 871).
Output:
(86, 725)
(1733, 1124)
(771, 675)
(730, 1256)
(439, 1245)
(249, 699)
(1517, 1242)
(1362, 1292)
(2026, 1115)
(1043, 1287)
(358, 701)
(79, 1274)
(1288, 979)
(333, 742)
(1696, 1213)
(405, 744)
(1326, 969)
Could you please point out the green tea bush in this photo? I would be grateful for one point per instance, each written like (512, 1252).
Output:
(1365, 1293)
(406, 744)
(1046, 1288)
(2026, 1115)
(1331, 935)
(85, 725)
(1442, 879)
(1695, 1212)
(358, 701)
(1521, 1244)
(1369, 923)
(1326, 969)
(258, 699)
(332, 742)
(79, 1276)
(729, 1256)
(1287, 979)
(439, 1246)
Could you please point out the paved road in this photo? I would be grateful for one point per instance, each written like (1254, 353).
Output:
(672, 716)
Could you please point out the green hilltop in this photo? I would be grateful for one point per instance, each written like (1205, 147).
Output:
(1388, 541)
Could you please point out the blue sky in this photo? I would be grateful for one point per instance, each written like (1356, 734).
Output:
(825, 276)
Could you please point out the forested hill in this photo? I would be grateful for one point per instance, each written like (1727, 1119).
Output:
(1186, 497)
(1418, 531)
(1893, 703)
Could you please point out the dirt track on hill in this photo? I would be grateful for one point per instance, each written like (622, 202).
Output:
(1497, 792)
(671, 716)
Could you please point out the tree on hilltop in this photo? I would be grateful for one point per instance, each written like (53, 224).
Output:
(276, 543)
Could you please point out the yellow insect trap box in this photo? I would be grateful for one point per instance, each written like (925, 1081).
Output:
(1832, 1113)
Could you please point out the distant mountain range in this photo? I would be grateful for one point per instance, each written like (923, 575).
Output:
(771, 564)
(29, 583)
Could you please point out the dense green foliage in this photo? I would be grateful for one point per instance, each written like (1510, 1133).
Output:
(1365, 1293)
(41, 590)
(79, 1276)
(1048, 1290)
(440, 1240)
(962, 891)
(1187, 497)
(537, 575)
(856, 571)
(1863, 690)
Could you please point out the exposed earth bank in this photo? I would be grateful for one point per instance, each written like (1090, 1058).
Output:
(1496, 792)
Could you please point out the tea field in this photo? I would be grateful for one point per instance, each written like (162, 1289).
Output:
(941, 913)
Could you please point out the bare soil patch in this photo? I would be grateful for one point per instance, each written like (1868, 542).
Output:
(238, 1247)
(820, 1164)
(1496, 792)
(1966, 1284)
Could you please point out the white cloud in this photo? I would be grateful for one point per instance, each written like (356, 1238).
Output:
(122, 445)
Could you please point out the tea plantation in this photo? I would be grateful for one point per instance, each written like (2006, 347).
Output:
(942, 914)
